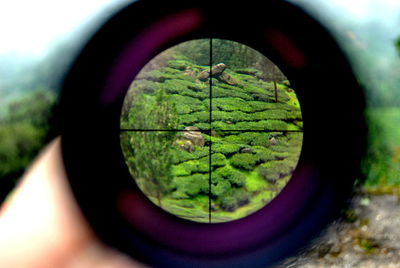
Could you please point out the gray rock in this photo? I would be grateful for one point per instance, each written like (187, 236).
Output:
(273, 141)
(216, 71)
(193, 134)
(246, 151)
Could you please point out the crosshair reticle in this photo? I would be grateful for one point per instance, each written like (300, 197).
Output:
(211, 130)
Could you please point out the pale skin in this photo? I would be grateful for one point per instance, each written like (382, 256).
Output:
(41, 225)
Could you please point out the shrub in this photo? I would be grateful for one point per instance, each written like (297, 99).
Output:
(236, 139)
(219, 92)
(195, 117)
(227, 174)
(190, 185)
(268, 125)
(143, 86)
(220, 188)
(225, 148)
(251, 89)
(237, 178)
(229, 104)
(274, 170)
(234, 198)
(180, 156)
(218, 160)
(244, 161)
(189, 104)
(179, 64)
(294, 115)
(192, 166)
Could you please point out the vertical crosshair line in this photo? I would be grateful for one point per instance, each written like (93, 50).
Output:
(209, 157)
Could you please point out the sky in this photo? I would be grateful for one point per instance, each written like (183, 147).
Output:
(28, 27)
(387, 12)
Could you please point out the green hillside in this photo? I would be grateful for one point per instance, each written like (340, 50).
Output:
(247, 139)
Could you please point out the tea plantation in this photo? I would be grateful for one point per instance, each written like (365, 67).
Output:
(210, 152)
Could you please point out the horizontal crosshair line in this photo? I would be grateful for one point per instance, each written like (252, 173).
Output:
(154, 130)
(208, 130)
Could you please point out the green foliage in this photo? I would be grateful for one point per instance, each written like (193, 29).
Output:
(180, 156)
(220, 188)
(154, 76)
(397, 44)
(245, 161)
(218, 160)
(190, 186)
(274, 170)
(220, 92)
(192, 166)
(249, 71)
(381, 164)
(19, 142)
(188, 104)
(225, 148)
(148, 151)
(196, 117)
(152, 112)
(234, 198)
(149, 160)
(23, 131)
(235, 177)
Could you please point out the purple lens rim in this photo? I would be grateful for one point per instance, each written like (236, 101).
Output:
(257, 228)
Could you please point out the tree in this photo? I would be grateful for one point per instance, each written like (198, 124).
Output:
(148, 151)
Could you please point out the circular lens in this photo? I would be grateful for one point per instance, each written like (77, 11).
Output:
(211, 130)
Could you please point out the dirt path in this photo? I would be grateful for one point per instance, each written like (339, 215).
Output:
(369, 236)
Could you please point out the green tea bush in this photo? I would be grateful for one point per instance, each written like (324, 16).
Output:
(294, 115)
(186, 103)
(180, 156)
(265, 154)
(234, 198)
(219, 92)
(143, 86)
(252, 90)
(277, 169)
(235, 116)
(180, 65)
(244, 161)
(225, 148)
(192, 166)
(220, 188)
(235, 177)
(229, 104)
(190, 186)
(195, 117)
(218, 160)
(172, 70)
(236, 139)
(270, 114)
(194, 94)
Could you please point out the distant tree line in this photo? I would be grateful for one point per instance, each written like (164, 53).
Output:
(234, 55)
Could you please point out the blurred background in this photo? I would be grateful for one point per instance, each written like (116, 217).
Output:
(40, 39)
